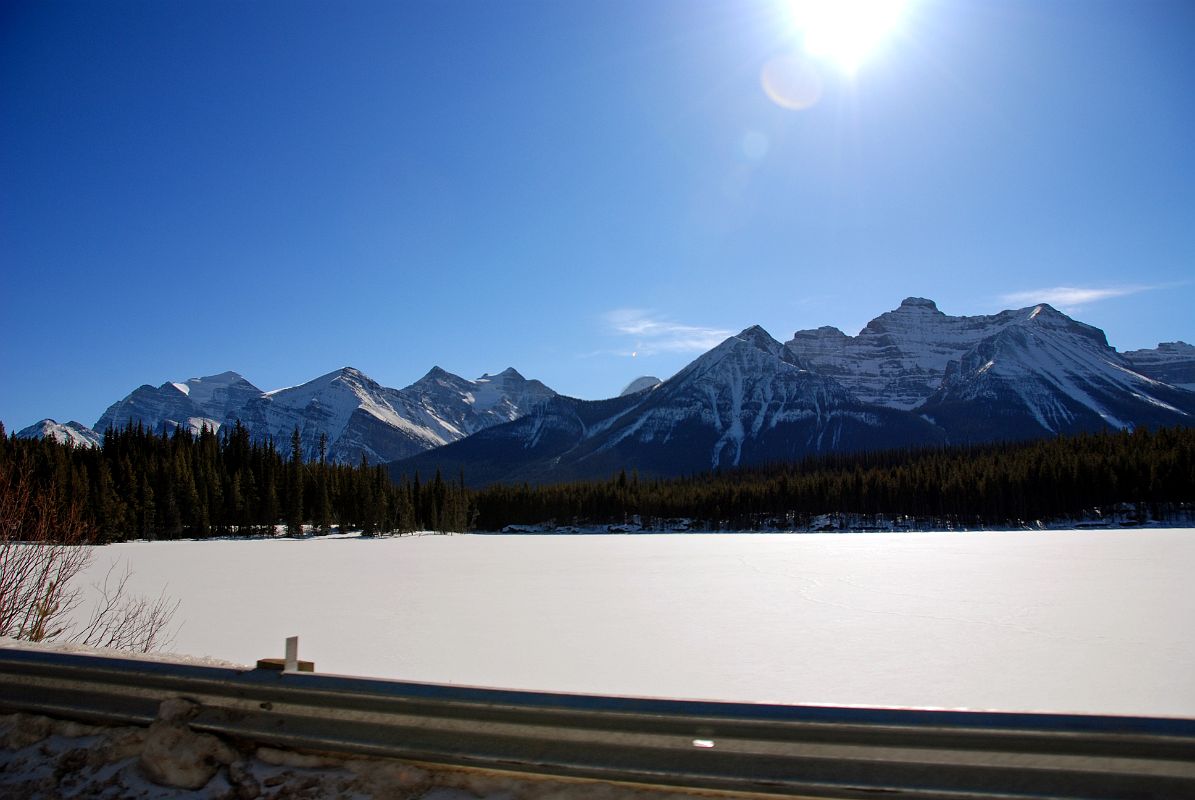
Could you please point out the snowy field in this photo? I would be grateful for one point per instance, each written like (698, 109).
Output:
(1094, 621)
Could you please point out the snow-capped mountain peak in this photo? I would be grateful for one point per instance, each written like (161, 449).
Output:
(508, 394)
(900, 358)
(640, 384)
(510, 373)
(74, 433)
(357, 415)
(1042, 373)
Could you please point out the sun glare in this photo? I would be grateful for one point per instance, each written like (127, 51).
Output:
(845, 32)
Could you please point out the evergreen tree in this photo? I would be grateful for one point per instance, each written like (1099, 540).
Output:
(294, 486)
(323, 505)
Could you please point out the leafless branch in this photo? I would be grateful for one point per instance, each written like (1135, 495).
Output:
(127, 622)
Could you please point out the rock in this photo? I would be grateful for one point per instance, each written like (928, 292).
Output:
(177, 756)
(70, 762)
(26, 729)
(117, 745)
(247, 787)
(177, 709)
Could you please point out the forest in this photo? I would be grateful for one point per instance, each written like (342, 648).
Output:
(146, 485)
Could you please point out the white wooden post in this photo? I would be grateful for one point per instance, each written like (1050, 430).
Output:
(292, 654)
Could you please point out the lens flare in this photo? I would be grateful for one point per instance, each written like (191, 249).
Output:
(791, 82)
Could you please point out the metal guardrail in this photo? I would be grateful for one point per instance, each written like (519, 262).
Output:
(808, 751)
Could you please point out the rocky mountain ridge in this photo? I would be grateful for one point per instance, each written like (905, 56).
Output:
(358, 416)
(72, 433)
(912, 377)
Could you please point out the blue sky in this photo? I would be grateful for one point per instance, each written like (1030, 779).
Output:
(285, 188)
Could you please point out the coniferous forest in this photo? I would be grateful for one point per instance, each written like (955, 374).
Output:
(145, 485)
(142, 485)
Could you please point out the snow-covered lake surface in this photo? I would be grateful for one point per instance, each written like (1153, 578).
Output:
(1092, 621)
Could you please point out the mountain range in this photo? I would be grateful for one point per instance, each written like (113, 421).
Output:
(358, 416)
(912, 377)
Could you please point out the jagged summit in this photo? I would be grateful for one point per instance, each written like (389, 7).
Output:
(359, 416)
(755, 336)
(437, 376)
(753, 332)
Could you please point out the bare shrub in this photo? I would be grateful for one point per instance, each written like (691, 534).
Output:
(43, 548)
(127, 622)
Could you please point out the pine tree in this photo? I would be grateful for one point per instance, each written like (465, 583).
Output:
(323, 503)
(294, 486)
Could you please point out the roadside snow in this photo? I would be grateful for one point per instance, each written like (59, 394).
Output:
(1091, 621)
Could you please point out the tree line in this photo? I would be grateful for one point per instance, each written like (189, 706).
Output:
(994, 485)
(141, 484)
(145, 485)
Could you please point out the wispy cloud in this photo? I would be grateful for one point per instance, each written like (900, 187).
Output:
(652, 333)
(1071, 296)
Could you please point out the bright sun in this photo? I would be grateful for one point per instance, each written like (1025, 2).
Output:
(845, 32)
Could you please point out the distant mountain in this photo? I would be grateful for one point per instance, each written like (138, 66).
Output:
(912, 377)
(1044, 374)
(899, 359)
(358, 416)
(641, 385)
(470, 406)
(71, 432)
(747, 401)
(199, 402)
(1169, 362)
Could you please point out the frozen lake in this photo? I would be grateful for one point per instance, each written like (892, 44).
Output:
(1094, 621)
